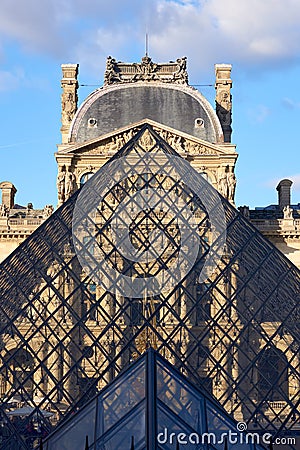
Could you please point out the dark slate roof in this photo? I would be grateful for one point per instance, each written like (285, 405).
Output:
(167, 105)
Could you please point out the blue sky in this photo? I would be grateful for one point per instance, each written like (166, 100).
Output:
(261, 39)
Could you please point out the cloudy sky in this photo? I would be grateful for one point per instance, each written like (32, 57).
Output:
(261, 39)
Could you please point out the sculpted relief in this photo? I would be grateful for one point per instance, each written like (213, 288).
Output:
(68, 179)
(181, 144)
(146, 70)
(227, 184)
(65, 183)
(68, 107)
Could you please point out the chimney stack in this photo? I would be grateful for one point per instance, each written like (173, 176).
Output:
(223, 87)
(8, 194)
(284, 193)
(69, 98)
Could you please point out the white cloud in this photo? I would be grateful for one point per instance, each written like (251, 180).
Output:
(254, 33)
(290, 103)
(296, 181)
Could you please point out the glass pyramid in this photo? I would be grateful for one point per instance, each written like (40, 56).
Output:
(151, 406)
(147, 254)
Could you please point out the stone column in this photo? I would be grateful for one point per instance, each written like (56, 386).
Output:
(69, 98)
(223, 98)
(8, 194)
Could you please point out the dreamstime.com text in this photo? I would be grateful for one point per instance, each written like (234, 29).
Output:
(241, 436)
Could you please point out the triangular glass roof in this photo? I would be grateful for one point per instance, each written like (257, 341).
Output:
(152, 406)
(148, 254)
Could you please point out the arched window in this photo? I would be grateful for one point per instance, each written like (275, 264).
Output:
(85, 177)
(272, 380)
(19, 365)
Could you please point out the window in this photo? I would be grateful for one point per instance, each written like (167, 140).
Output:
(273, 374)
(85, 177)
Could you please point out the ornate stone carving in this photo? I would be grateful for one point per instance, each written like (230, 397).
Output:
(111, 74)
(69, 106)
(180, 75)
(47, 211)
(231, 181)
(146, 70)
(287, 212)
(69, 183)
(223, 184)
(3, 210)
(117, 142)
(223, 98)
(227, 184)
(69, 97)
(245, 211)
(182, 144)
(60, 184)
(146, 141)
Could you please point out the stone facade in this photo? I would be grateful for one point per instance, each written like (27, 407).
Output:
(211, 153)
(279, 223)
(17, 222)
(202, 323)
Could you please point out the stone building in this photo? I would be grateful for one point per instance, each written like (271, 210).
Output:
(158, 94)
(148, 255)
(280, 223)
(17, 222)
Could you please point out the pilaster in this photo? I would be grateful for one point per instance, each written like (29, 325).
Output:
(69, 98)
(223, 98)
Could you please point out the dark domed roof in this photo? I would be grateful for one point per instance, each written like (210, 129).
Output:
(115, 106)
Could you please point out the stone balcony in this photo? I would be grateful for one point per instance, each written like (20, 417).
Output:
(277, 226)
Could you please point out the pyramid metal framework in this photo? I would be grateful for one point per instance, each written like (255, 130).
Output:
(155, 407)
(75, 310)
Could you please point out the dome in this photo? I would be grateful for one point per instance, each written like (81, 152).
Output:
(115, 106)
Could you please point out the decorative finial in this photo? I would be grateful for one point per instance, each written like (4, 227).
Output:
(147, 44)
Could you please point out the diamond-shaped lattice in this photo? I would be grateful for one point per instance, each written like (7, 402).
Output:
(67, 330)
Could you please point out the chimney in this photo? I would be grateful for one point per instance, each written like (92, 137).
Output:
(223, 98)
(8, 194)
(69, 98)
(284, 193)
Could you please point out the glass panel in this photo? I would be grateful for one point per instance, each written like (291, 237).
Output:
(177, 395)
(73, 433)
(170, 430)
(221, 428)
(121, 437)
(121, 398)
(63, 341)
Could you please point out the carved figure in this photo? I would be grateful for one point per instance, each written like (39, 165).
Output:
(129, 135)
(60, 184)
(187, 146)
(69, 183)
(224, 108)
(47, 211)
(178, 144)
(3, 211)
(287, 212)
(245, 211)
(117, 142)
(111, 75)
(223, 184)
(180, 75)
(145, 70)
(231, 182)
(69, 106)
(146, 141)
